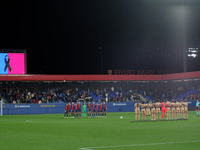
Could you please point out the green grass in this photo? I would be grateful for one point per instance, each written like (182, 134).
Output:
(52, 132)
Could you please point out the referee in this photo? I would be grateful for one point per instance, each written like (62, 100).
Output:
(197, 107)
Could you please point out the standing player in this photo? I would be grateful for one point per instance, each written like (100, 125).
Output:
(178, 105)
(158, 113)
(66, 111)
(148, 106)
(186, 109)
(79, 110)
(69, 109)
(163, 108)
(173, 106)
(100, 109)
(153, 117)
(143, 112)
(168, 109)
(93, 110)
(84, 107)
(104, 109)
(182, 109)
(72, 110)
(137, 110)
(97, 110)
(75, 110)
(197, 108)
(89, 110)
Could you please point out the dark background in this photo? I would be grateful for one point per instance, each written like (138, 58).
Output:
(65, 37)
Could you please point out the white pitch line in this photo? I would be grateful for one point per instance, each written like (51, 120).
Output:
(91, 148)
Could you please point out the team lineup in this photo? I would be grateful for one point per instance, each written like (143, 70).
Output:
(154, 111)
(82, 111)
(143, 111)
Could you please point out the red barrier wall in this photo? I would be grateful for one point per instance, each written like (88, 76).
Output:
(186, 75)
(79, 77)
(99, 77)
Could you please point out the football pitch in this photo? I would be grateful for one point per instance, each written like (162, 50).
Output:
(53, 132)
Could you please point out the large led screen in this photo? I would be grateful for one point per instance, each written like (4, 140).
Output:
(12, 63)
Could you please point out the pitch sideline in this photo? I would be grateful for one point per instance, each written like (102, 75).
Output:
(91, 148)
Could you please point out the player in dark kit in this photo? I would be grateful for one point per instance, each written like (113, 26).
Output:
(79, 110)
(104, 109)
(72, 109)
(89, 110)
(66, 111)
(75, 110)
(100, 109)
(68, 107)
(93, 109)
(97, 112)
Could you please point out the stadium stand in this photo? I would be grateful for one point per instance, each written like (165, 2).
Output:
(51, 92)
(111, 88)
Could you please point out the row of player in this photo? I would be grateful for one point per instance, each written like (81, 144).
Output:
(93, 110)
(170, 110)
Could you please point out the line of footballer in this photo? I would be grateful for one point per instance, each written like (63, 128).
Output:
(171, 110)
(73, 110)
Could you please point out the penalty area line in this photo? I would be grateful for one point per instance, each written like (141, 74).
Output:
(91, 148)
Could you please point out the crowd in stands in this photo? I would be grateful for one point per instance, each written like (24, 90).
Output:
(33, 95)
(193, 96)
(62, 94)
(163, 92)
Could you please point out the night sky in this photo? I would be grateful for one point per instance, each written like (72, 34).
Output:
(65, 37)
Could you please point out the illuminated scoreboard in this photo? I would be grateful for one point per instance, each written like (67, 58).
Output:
(12, 62)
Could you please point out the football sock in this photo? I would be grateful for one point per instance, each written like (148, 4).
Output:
(162, 116)
(165, 116)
